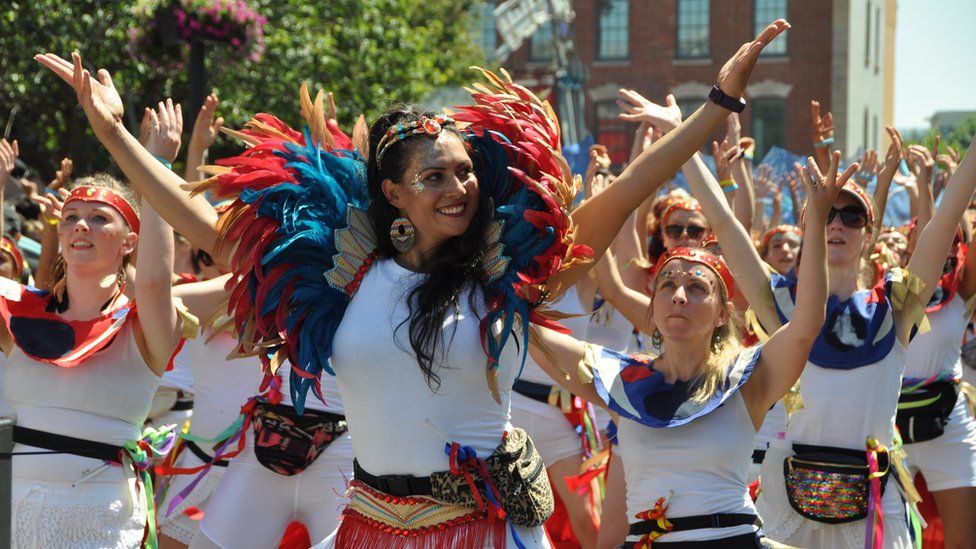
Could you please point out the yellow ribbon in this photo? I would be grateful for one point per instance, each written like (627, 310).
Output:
(191, 324)
(586, 363)
(897, 459)
(904, 285)
(969, 393)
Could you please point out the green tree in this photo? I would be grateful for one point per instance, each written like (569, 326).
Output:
(368, 53)
(959, 138)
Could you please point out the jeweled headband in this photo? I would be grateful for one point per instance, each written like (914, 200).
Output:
(781, 229)
(426, 125)
(106, 196)
(715, 263)
(687, 204)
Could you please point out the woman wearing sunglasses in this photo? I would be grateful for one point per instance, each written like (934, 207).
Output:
(935, 410)
(836, 446)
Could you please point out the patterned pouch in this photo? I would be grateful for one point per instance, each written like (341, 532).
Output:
(517, 471)
(286, 442)
(829, 485)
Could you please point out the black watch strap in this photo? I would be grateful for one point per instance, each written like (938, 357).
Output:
(719, 97)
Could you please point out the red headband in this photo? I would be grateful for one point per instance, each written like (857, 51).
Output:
(694, 255)
(106, 196)
(687, 204)
(780, 229)
(7, 245)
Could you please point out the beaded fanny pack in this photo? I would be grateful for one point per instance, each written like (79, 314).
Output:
(832, 485)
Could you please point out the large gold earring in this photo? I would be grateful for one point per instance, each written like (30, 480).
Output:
(657, 339)
(402, 234)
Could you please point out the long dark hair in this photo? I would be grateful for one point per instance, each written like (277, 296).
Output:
(452, 267)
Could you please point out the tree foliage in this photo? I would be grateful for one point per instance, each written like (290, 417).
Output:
(959, 138)
(368, 53)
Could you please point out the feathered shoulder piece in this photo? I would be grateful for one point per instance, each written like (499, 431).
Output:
(291, 193)
(516, 140)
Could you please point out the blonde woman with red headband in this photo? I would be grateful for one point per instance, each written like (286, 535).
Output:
(84, 362)
(830, 482)
(689, 417)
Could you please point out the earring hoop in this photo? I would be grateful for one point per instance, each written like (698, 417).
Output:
(402, 234)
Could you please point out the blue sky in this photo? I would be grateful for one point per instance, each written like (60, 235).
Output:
(935, 59)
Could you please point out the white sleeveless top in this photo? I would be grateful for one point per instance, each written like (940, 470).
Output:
(705, 463)
(105, 399)
(387, 401)
(180, 377)
(609, 328)
(568, 303)
(221, 386)
(940, 348)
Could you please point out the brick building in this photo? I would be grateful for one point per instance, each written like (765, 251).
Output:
(839, 52)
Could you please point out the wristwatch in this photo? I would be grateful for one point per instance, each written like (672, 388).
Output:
(719, 97)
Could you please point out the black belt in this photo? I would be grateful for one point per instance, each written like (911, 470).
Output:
(61, 444)
(697, 522)
(743, 541)
(394, 485)
(203, 456)
(535, 391)
(182, 406)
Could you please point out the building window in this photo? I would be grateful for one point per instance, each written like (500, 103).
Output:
(766, 12)
(692, 28)
(540, 45)
(865, 140)
(612, 31)
(867, 36)
(877, 38)
(875, 133)
(611, 132)
(483, 29)
(768, 123)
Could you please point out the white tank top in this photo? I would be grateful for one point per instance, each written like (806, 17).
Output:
(222, 386)
(704, 463)
(939, 349)
(841, 408)
(181, 376)
(387, 401)
(608, 328)
(330, 393)
(568, 303)
(6, 410)
(105, 399)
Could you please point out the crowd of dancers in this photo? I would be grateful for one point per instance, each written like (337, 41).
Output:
(389, 339)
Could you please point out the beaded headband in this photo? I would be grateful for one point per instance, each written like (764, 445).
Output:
(862, 197)
(781, 229)
(106, 196)
(7, 245)
(426, 125)
(687, 204)
(694, 255)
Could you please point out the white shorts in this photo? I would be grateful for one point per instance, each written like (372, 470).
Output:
(176, 524)
(948, 461)
(253, 505)
(547, 427)
(92, 515)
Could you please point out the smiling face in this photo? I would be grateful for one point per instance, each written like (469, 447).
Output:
(438, 191)
(686, 221)
(688, 300)
(781, 252)
(94, 238)
(845, 244)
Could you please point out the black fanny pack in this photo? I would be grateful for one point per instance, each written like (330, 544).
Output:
(924, 412)
(830, 485)
(697, 522)
(287, 442)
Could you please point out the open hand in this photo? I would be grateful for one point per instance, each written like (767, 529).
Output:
(823, 126)
(63, 175)
(161, 130)
(724, 155)
(637, 108)
(735, 74)
(921, 162)
(98, 98)
(895, 152)
(206, 128)
(9, 151)
(51, 204)
(822, 190)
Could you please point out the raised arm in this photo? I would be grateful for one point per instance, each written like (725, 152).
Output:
(891, 162)
(599, 220)
(50, 204)
(634, 305)
(205, 131)
(785, 353)
(8, 156)
(822, 135)
(743, 259)
(934, 240)
(559, 356)
(203, 298)
(193, 218)
(922, 164)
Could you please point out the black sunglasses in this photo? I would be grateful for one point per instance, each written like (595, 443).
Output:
(851, 216)
(674, 232)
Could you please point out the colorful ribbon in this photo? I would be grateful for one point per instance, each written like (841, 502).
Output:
(138, 455)
(661, 524)
(874, 531)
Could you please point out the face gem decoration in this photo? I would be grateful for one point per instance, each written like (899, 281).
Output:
(416, 185)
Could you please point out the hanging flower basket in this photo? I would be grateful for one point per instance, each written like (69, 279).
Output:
(165, 28)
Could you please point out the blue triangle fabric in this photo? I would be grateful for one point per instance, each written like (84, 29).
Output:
(858, 331)
(631, 387)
